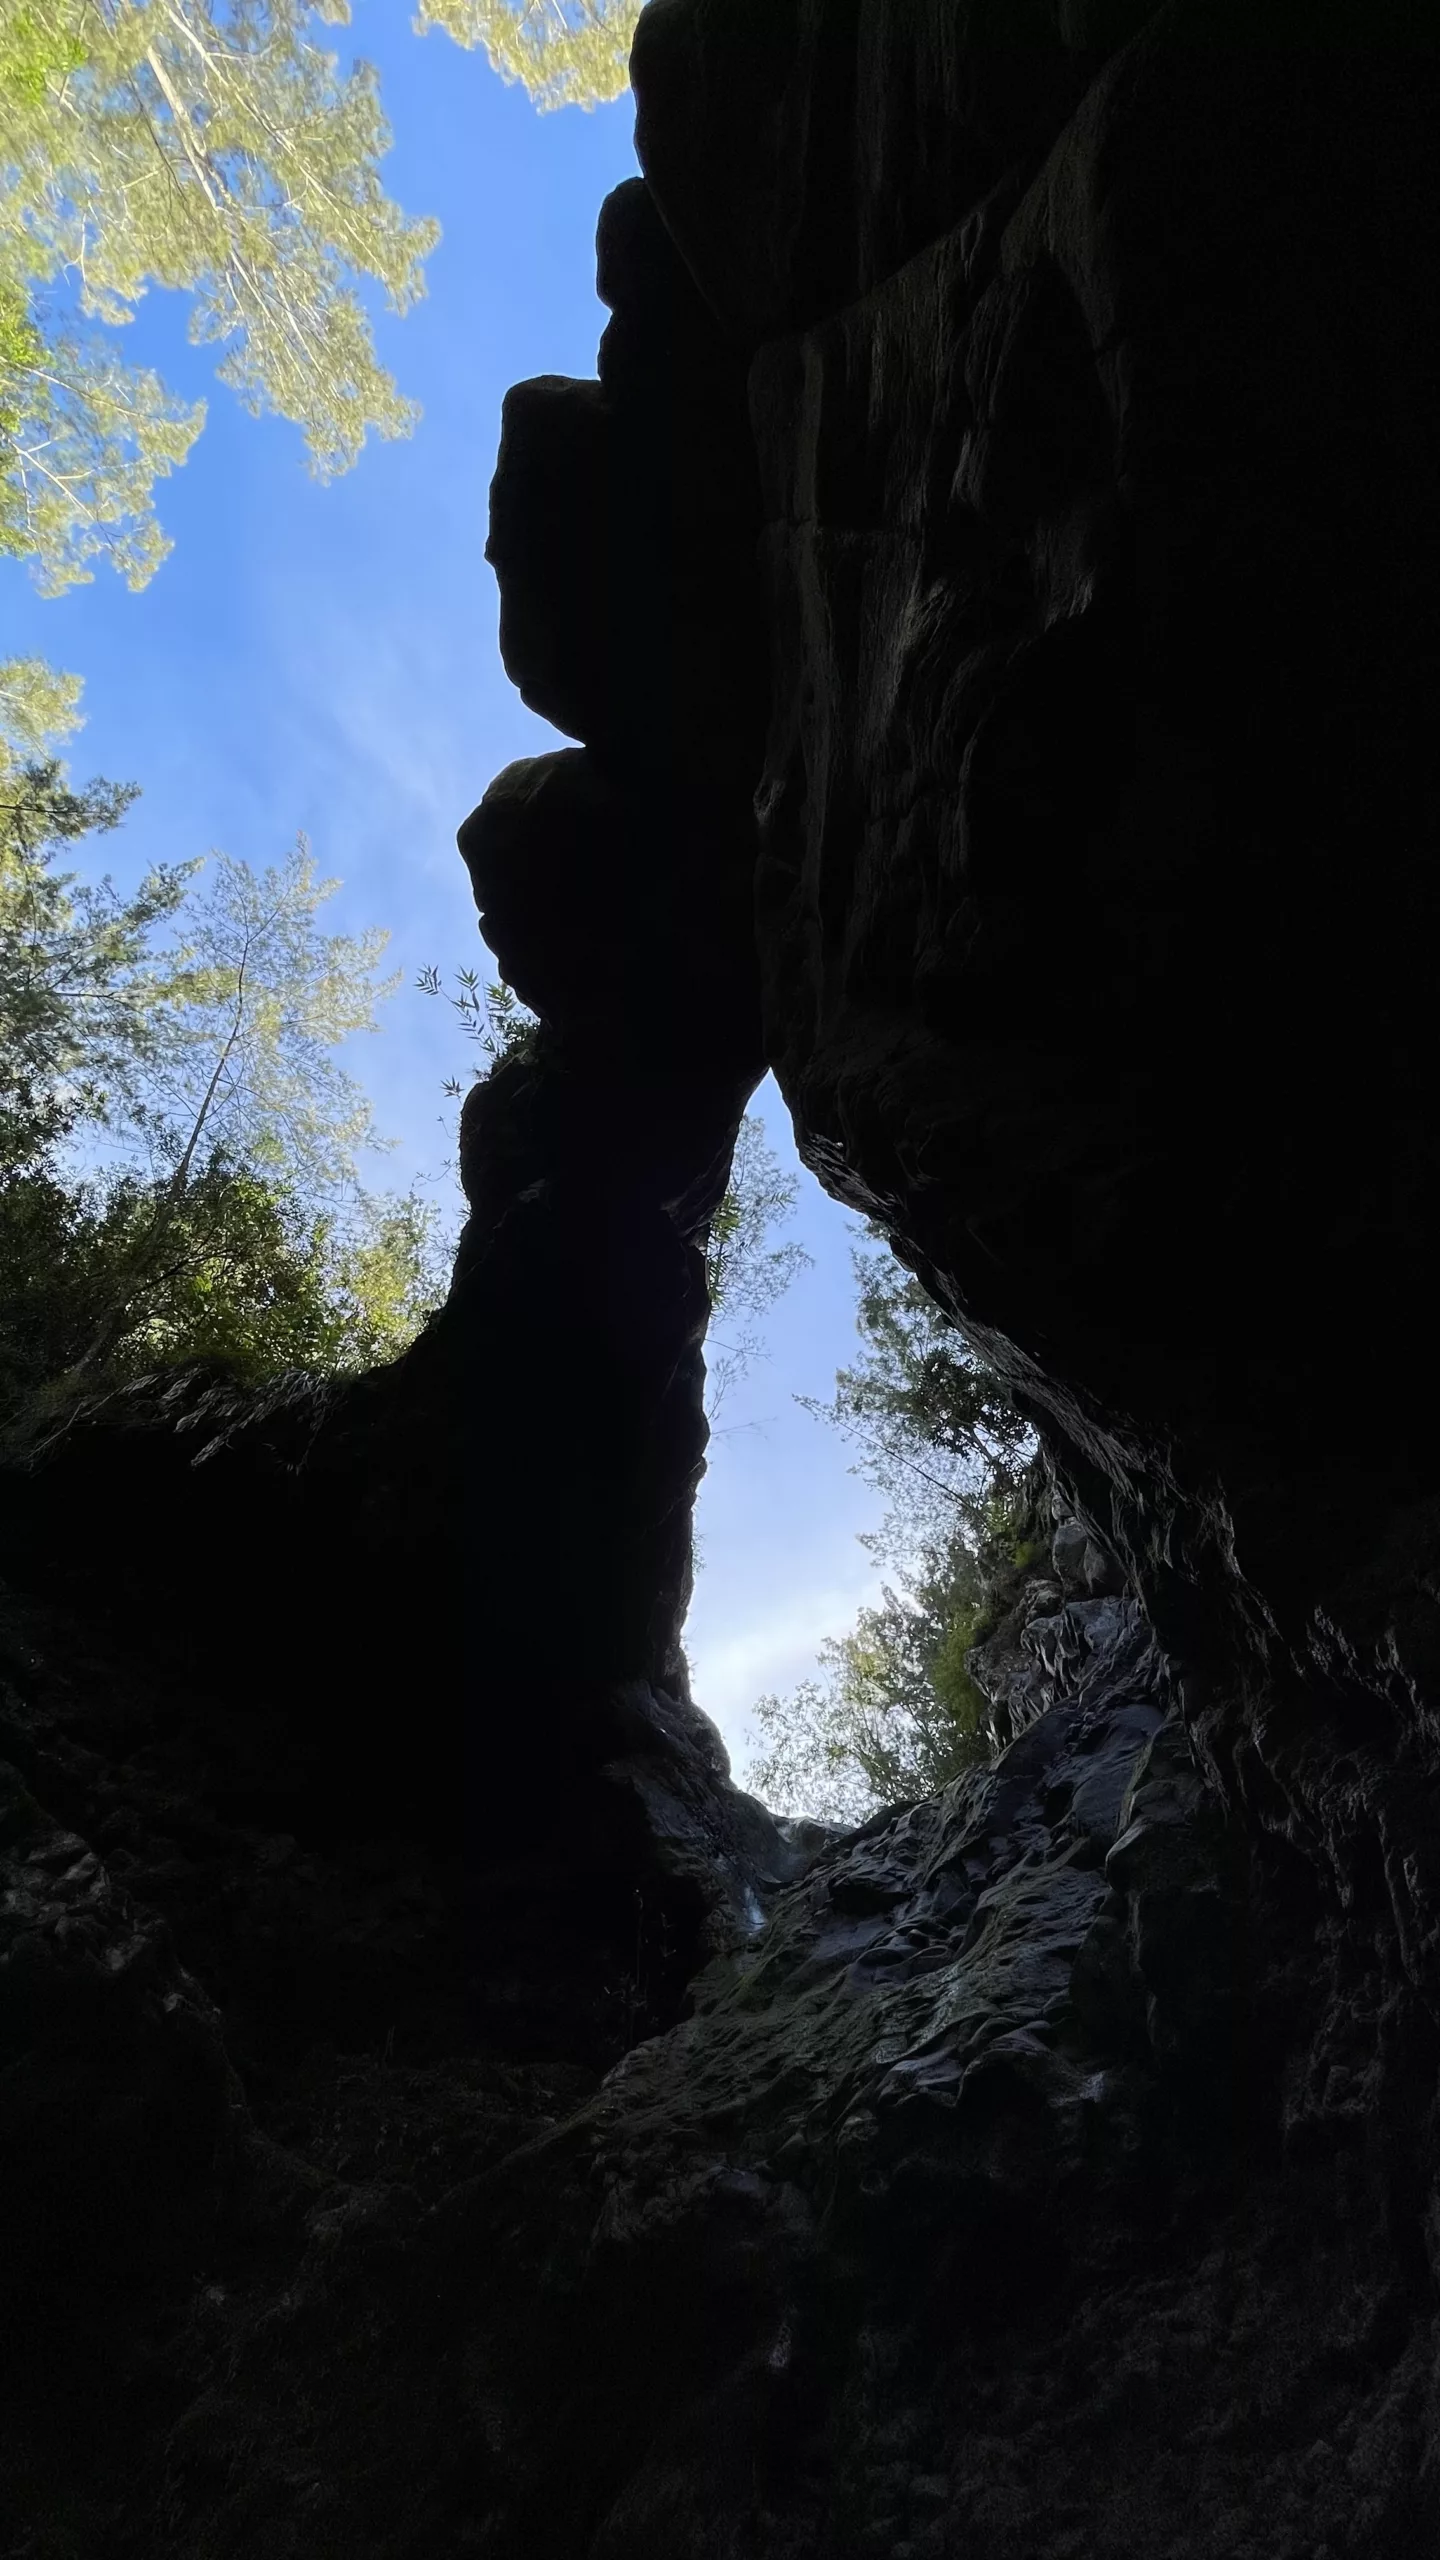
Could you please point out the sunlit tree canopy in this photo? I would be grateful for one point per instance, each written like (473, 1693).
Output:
(567, 53)
(216, 147)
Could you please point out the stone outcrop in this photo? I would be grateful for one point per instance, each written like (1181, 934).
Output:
(802, 153)
(1024, 2178)
(1066, 708)
(444, 1602)
(991, 581)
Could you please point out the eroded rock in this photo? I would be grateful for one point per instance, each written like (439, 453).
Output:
(1056, 780)
(1049, 2168)
(120, 2117)
(800, 151)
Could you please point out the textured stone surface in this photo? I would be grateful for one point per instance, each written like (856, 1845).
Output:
(1034, 2174)
(1065, 976)
(118, 2110)
(802, 149)
(1049, 2169)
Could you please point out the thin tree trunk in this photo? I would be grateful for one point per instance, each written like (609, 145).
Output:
(112, 1324)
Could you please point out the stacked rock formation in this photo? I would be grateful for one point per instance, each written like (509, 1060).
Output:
(498, 1528)
(615, 886)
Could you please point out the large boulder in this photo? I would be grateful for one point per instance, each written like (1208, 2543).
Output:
(623, 516)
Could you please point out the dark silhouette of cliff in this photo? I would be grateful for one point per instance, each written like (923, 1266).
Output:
(991, 582)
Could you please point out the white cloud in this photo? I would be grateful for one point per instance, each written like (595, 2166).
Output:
(774, 1651)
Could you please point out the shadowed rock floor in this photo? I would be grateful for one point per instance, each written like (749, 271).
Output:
(1025, 2176)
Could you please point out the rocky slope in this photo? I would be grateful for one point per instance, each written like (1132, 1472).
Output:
(991, 581)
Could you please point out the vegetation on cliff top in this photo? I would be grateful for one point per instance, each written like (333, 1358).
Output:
(219, 149)
(895, 1713)
(182, 1156)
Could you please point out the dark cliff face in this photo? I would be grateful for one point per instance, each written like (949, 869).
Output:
(1087, 580)
(991, 581)
(1101, 546)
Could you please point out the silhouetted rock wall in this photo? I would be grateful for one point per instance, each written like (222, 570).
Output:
(1101, 544)
(615, 886)
(992, 581)
(497, 1530)
(1068, 336)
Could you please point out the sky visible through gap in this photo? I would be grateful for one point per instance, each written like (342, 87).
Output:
(325, 659)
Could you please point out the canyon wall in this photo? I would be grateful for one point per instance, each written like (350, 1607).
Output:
(990, 582)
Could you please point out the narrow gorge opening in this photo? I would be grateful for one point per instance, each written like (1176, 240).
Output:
(870, 1511)
(779, 1516)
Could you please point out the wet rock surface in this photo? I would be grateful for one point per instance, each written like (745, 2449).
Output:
(991, 580)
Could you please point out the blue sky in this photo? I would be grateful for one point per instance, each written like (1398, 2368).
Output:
(325, 659)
